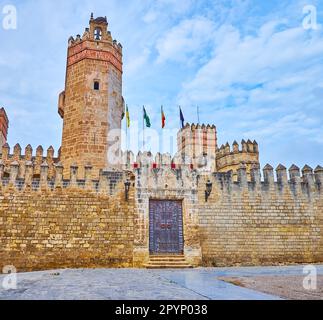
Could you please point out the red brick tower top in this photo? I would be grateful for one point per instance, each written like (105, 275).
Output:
(4, 125)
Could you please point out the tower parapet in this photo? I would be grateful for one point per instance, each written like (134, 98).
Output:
(230, 159)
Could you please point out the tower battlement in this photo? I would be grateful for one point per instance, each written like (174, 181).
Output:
(230, 159)
(96, 42)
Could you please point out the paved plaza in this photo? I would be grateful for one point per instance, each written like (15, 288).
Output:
(140, 284)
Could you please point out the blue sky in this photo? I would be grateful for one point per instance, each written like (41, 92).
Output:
(250, 66)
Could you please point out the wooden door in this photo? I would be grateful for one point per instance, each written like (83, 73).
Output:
(166, 227)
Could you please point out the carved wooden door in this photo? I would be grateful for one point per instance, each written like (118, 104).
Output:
(166, 227)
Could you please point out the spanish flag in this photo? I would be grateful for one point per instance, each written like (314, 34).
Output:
(128, 117)
(163, 117)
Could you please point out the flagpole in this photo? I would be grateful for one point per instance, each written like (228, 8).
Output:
(143, 129)
(198, 115)
(126, 132)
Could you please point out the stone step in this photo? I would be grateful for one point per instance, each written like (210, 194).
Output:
(167, 259)
(162, 257)
(167, 262)
(165, 266)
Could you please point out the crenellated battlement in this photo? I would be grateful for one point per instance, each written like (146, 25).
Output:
(30, 180)
(198, 126)
(229, 158)
(148, 160)
(306, 181)
(171, 170)
(244, 147)
(28, 157)
(97, 32)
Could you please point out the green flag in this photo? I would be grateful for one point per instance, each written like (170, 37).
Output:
(147, 119)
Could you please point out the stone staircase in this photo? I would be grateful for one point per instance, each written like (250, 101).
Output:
(167, 262)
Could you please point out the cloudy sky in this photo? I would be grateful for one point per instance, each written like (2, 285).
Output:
(250, 66)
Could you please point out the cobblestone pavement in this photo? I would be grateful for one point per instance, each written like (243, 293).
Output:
(135, 284)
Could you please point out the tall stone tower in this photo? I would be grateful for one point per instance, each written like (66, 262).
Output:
(92, 104)
(199, 144)
(4, 125)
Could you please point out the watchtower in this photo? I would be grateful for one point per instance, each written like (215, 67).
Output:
(91, 105)
(198, 143)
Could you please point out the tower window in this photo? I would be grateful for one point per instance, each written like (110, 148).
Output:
(96, 85)
(97, 34)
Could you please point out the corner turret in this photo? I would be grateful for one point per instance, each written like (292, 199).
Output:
(228, 159)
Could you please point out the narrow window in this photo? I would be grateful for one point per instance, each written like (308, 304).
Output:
(97, 34)
(96, 85)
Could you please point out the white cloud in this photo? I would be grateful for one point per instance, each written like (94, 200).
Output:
(267, 86)
(150, 16)
(135, 63)
(185, 41)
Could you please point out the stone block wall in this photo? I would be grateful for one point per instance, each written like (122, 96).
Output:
(262, 223)
(46, 226)
(49, 222)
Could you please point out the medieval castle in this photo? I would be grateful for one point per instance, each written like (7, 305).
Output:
(206, 206)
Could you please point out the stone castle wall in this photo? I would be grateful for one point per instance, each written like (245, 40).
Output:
(50, 222)
(262, 223)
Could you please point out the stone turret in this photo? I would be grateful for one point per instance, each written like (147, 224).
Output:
(198, 143)
(228, 159)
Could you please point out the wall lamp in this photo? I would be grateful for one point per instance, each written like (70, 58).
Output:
(127, 185)
(208, 190)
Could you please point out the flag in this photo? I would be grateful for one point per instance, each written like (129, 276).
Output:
(123, 107)
(163, 117)
(128, 117)
(147, 119)
(182, 117)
